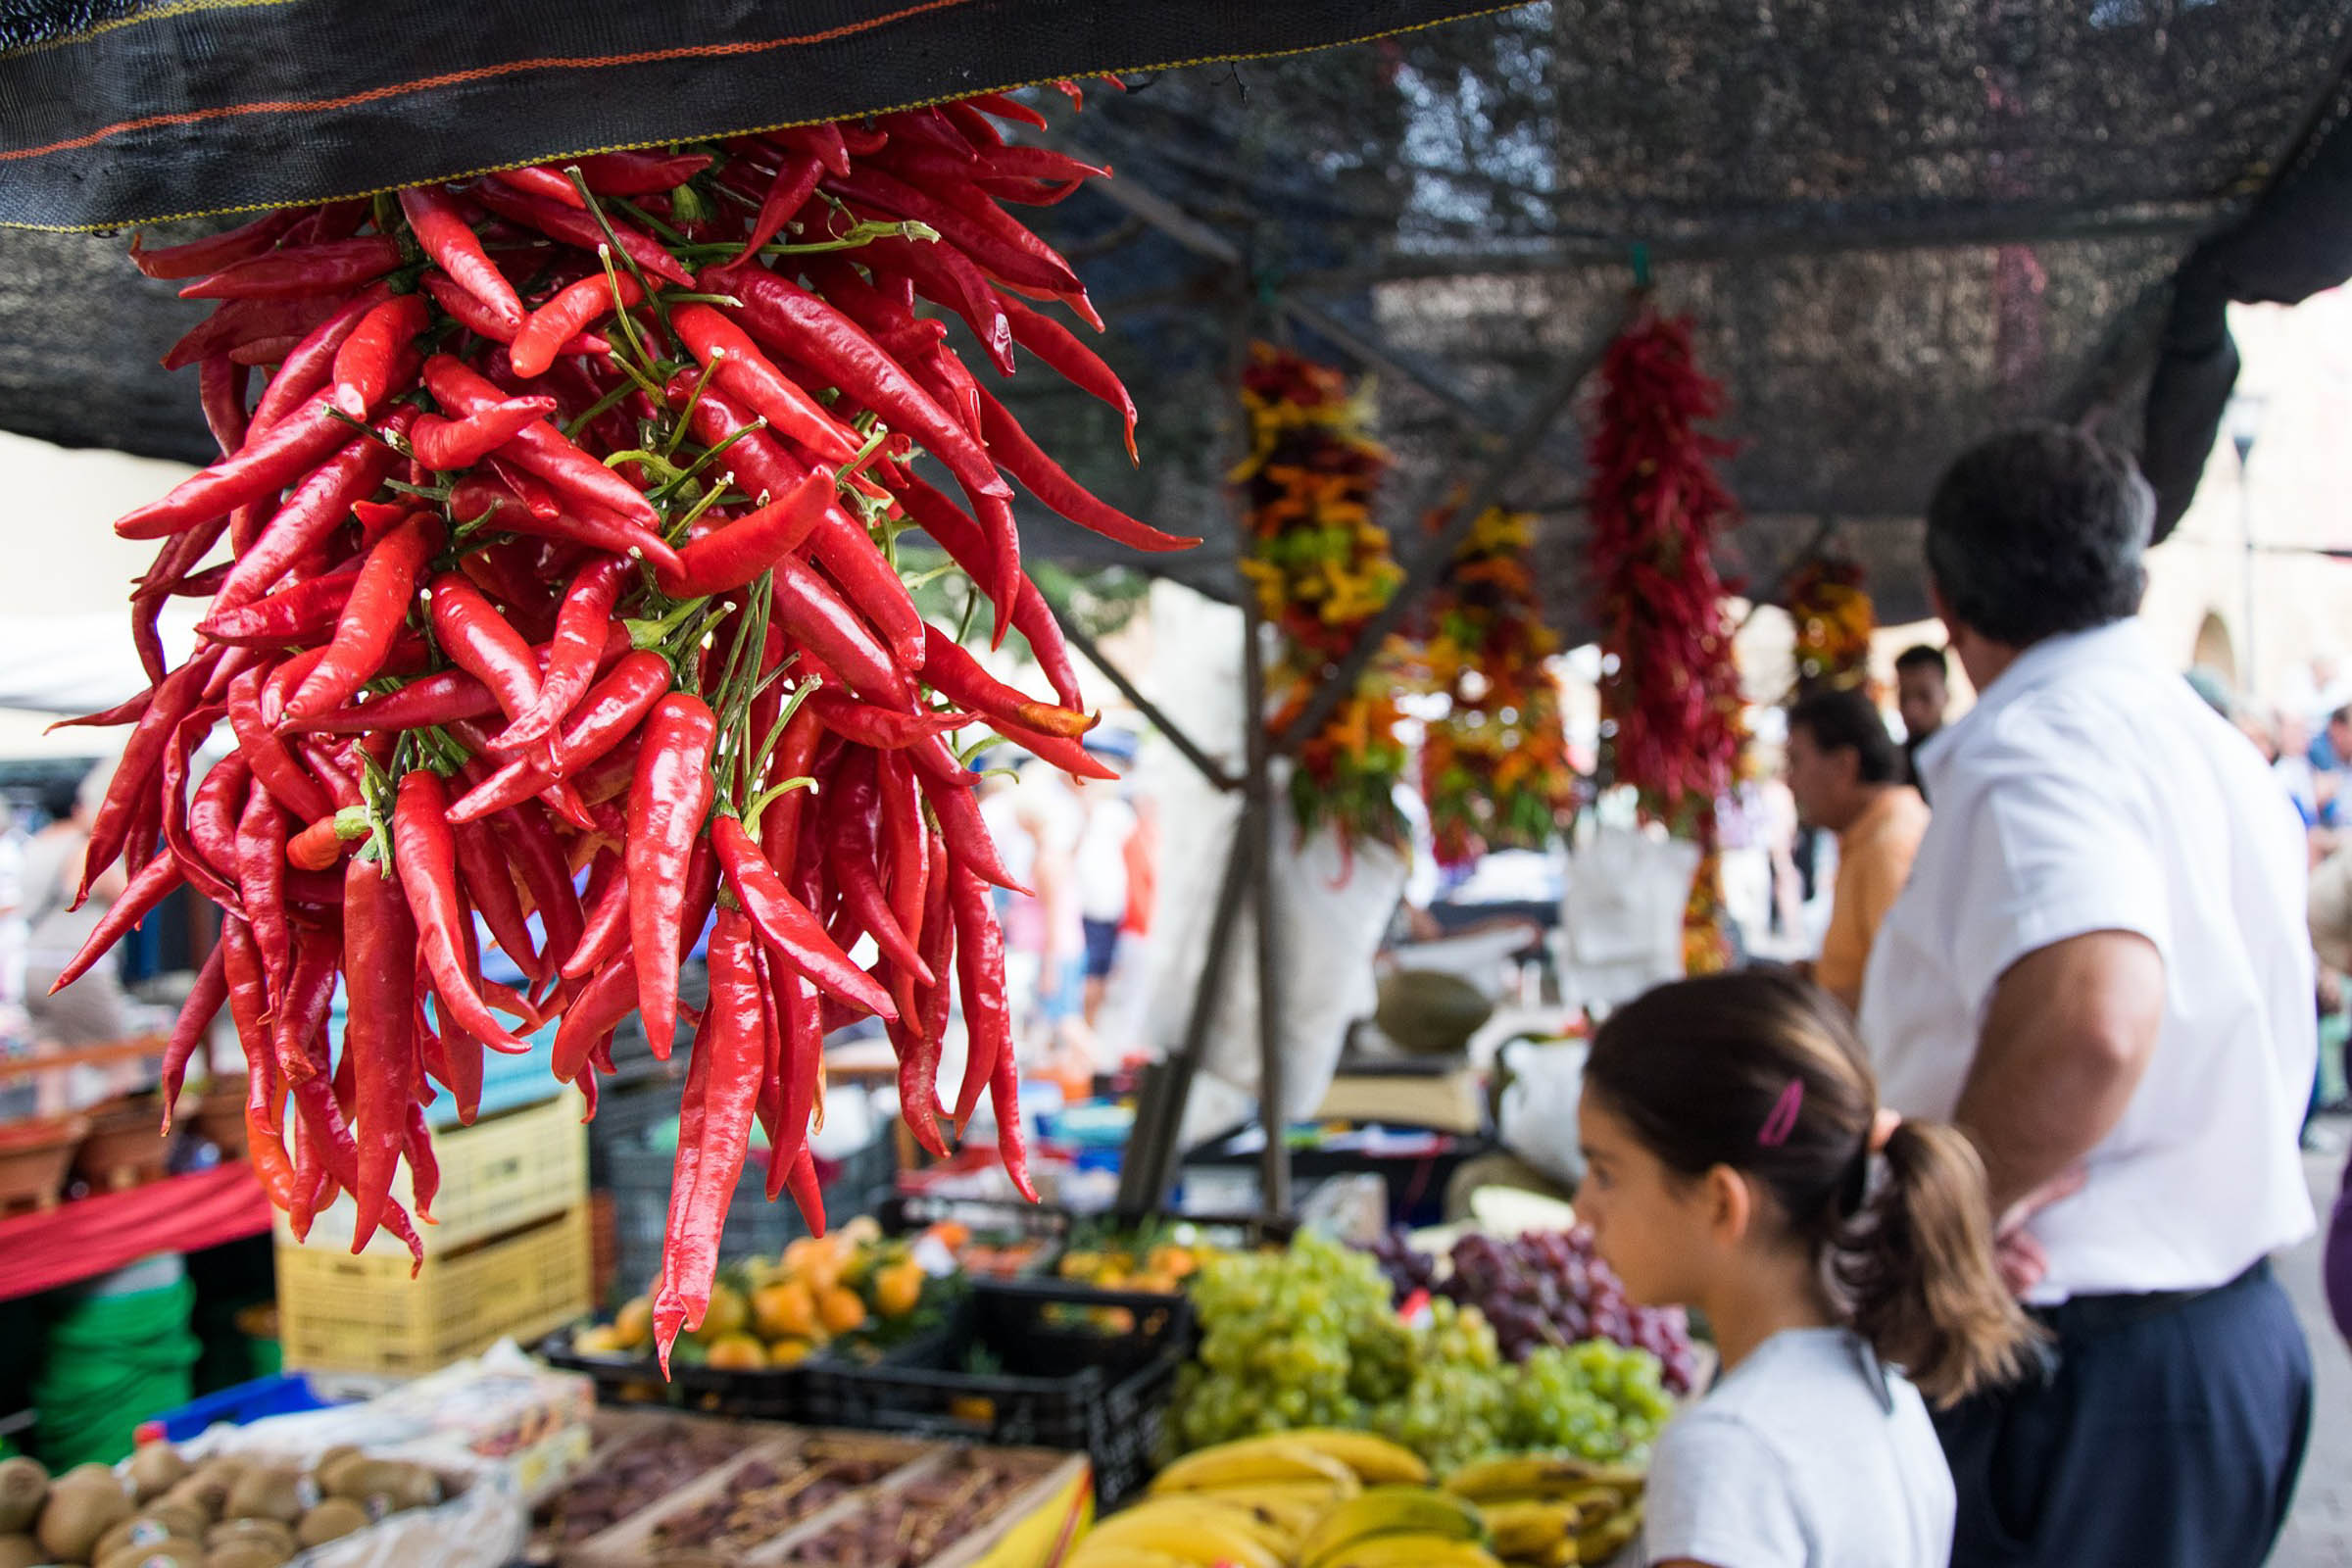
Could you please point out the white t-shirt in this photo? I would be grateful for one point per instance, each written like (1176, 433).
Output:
(2092, 790)
(1103, 854)
(1808, 1454)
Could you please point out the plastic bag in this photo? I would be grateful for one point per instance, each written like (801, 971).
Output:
(1621, 920)
(1331, 908)
(1536, 1118)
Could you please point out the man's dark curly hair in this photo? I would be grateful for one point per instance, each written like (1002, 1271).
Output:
(2037, 531)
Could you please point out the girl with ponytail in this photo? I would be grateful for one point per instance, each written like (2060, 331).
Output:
(1739, 1164)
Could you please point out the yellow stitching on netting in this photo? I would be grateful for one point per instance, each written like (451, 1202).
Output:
(748, 130)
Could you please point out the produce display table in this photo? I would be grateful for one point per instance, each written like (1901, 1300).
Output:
(97, 1235)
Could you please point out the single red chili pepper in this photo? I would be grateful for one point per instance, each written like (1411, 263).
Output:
(734, 555)
(379, 966)
(215, 251)
(580, 635)
(476, 316)
(292, 616)
(1004, 107)
(477, 638)
(369, 359)
(771, 1104)
(309, 365)
(322, 846)
(669, 799)
(153, 884)
(733, 1041)
(572, 310)
(490, 888)
(297, 1031)
(540, 446)
(427, 861)
(785, 924)
(576, 228)
(321, 504)
(444, 444)
(1065, 754)
(1005, 1095)
(794, 182)
(266, 464)
(261, 868)
(801, 1066)
(324, 268)
(980, 982)
(249, 1003)
(967, 836)
(142, 757)
(743, 371)
(962, 539)
(221, 390)
(445, 235)
(424, 1170)
(321, 1110)
(635, 173)
(852, 853)
(808, 1193)
(811, 612)
(543, 182)
(445, 697)
(203, 1005)
(950, 669)
(370, 620)
(930, 132)
(1025, 161)
(879, 727)
(609, 711)
(606, 904)
(332, 220)
(1044, 479)
(208, 861)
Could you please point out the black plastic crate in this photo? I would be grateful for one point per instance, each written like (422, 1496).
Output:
(1060, 1380)
(763, 1393)
(638, 1176)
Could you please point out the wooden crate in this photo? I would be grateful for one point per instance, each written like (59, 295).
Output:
(506, 1170)
(366, 1314)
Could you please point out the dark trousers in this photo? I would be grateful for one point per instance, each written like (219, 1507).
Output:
(2167, 1434)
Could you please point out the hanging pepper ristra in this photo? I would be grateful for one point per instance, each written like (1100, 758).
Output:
(1670, 691)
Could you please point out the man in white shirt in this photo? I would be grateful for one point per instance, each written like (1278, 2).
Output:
(2098, 969)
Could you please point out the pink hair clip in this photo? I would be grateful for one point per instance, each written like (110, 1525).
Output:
(1783, 1120)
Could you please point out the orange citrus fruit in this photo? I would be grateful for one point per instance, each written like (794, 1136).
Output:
(897, 1288)
(786, 1308)
(840, 1309)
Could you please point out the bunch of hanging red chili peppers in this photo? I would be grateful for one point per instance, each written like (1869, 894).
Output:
(1833, 617)
(559, 588)
(1669, 696)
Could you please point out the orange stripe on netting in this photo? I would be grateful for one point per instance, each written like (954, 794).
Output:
(453, 78)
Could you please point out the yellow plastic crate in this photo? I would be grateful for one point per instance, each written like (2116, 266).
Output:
(502, 1172)
(366, 1314)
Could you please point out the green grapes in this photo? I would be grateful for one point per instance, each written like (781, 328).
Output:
(1596, 1399)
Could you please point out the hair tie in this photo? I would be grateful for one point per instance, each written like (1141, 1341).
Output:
(1783, 1120)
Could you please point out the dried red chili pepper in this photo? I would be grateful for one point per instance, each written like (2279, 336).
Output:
(379, 963)
(539, 448)
(441, 229)
(215, 251)
(786, 927)
(326, 268)
(370, 620)
(669, 799)
(449, 444)
(473, 634)
(547, 330)
(369, 360)
(612, 707)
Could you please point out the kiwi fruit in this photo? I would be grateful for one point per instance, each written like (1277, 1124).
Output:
(270, 1494)
(333, 1459)
(399, 1484)
(81, 1508)
(335, 1518)
(208, 1489)
(156, 1469)
(156, 1554)
(245, 1554)
(183, 1517)
(269, 1531)
(139, 1530)
(24, 1488)
(21, 1552)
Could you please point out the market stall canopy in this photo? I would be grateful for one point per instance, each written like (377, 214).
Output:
(1897, 226)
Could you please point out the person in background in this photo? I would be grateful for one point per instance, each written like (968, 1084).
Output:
(1737, 1162)
(1923, 691)
(94, 1009)
(2329, 915)
(2100, 971)
(1100, 869)
(1847, 777)
(2292, 741)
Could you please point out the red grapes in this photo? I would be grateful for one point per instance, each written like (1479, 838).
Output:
(1544, 1288)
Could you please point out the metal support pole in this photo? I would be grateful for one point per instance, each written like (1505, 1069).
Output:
(1258, 821)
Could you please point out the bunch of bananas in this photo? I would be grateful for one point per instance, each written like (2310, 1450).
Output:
(1324, 1498)
(1550, 1510)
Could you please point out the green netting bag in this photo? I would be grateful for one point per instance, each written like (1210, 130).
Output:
(113, 1361)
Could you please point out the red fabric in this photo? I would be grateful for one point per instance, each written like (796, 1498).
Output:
(80, 1240)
